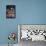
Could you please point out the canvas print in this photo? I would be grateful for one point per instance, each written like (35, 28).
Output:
(33, 32)
(10, 11)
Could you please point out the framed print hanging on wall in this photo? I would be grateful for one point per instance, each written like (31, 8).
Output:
(10, 11)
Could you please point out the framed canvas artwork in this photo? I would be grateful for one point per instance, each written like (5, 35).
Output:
(10, 11)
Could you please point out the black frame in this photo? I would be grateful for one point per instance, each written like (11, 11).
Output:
(10, 11)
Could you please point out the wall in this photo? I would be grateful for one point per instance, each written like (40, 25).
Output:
(27, 12)
(31, 11)
(6, 25)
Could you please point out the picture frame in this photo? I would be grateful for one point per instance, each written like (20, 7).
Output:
(10, 11)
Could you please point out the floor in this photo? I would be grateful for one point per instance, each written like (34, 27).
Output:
(30, 43)
(7, 45)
